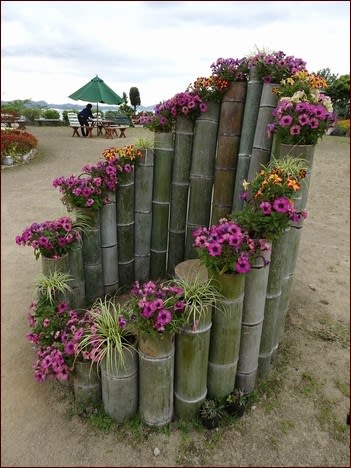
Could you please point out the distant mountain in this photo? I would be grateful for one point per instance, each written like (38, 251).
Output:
(103, 107)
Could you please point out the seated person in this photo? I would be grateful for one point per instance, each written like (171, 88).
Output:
(84, 116)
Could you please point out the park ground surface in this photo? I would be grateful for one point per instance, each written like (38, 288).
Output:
(299, 416)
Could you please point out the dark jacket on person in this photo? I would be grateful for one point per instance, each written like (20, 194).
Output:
(86, 113)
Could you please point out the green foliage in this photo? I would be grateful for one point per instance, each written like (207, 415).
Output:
(134, 97)
(125, 109)
(50, 114)
(211, 409)
(18, 106)
(143, 143)
(31, 114)
(111, 335)
(199, 296)
(51, 286)
(339, 91)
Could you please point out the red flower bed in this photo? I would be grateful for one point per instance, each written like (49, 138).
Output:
(18, 141)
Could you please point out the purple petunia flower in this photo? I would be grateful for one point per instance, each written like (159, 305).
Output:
(281, 205)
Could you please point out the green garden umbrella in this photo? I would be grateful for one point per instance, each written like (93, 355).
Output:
(96, 91)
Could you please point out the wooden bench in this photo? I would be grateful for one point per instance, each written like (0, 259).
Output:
(75, 125)
(121, 123)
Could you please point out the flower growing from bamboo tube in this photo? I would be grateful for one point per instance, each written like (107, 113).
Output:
(269, 199)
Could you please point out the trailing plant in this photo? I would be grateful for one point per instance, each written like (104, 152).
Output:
(51, 239)
(227, 247)
(56, 330)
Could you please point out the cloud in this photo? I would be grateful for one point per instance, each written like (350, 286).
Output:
(51, 48)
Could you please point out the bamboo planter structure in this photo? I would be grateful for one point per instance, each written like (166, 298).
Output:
(92, 258)
(252, 104)
(144, 172)
(184, 131)
(252, 323)
(202, 173)
(156, 378)
(191, 352)
(225, 335)
(164, 152)
(125, 229)
(109, 245)
(230, 122)
(262, 142)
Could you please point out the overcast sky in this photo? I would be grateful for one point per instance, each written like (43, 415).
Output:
(52, 48)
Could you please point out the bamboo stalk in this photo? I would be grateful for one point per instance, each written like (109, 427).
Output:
(230, 121)
(184, 132)
(252, 104)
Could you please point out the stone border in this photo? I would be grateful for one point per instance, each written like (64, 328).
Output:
(26, 158)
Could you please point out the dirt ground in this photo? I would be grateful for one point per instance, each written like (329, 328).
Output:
(299, 417)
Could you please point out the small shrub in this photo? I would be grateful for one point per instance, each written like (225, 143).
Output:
(342, 128)
(50, 114)
(17, 142)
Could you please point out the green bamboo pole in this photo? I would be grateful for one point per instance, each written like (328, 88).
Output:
(76, 269)
(92, 258)
(252, 322)
(192, 349)
(184, 131)
(164, 152)
(252, 104)
(125, 229)
(143, 214)
(271, 309)
(230, 122)
(305, 152)
(225, 335)
(262, 142)
(109, 245)
(202, 173)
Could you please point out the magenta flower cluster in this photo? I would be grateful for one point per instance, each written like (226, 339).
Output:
(231, 69)
(185, 103)
(90, 189)
(56, 334)
(50, 239)
(226, 247)
(275, 66)
(298, 121)
(158, 306)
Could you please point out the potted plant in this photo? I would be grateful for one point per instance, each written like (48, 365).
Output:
(210, 413)
(269, 199)
(304, 112)
(236, 402)
(111, 343)
(91, 188)
(192, 342)
(273, 66)
(228, 252)
(52, 241)
(158, 308)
